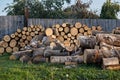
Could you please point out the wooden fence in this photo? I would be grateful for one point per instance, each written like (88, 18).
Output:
(9, 24)
(107, 24)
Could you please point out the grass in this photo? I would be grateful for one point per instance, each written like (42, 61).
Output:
(15, 70)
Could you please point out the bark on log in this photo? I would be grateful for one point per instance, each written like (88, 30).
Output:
(63, 59)
(48, 53)
(25, 59)
(87, 42)
(38, 52)
(39, 59)
(111, 39)
(113, 67)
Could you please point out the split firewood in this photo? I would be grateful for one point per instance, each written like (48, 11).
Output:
(63, 59)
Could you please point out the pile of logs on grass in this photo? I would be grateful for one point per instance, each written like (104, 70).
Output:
(21, 38)
(116, 30)
(68, 44)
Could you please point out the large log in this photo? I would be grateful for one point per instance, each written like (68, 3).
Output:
(17, 55)
(9, 50)
(111, 39)
(49, 31)
(95, 56)
(74, 31)
(63, 59)
(5, 44)
(13, 43)
(87, 42)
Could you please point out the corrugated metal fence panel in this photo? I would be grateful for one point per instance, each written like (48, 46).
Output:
(9, 24)
(107, 24)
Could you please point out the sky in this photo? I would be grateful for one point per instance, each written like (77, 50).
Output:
(96, 5)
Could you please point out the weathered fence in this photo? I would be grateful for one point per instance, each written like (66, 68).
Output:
(9, 24)
(107, 24)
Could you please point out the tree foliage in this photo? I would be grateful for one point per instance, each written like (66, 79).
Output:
(110, 10)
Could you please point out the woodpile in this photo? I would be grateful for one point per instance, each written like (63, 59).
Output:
(21, 38)
(66, 43)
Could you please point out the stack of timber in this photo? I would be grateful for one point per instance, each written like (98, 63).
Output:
(116, 30)
(21, 38)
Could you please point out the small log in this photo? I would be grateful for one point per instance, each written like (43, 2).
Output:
(66, 30)
(48, 53)
(74, 31)
(81, 30)
(29, 38)
(32, 34)
(62, 33)
(85, 34)
(86, 28)
(29, 29)
(93, 28)
(19, 30)
(16, 33)
(26, 42)
(8, 49)
(25, 28)
(65, 25)
(15, 49)
(5, 44)
(67, 43)
(60, 38)
(57, 25)
(6, 38)
(16, 38)
(13, 43)
(60, 29)
(23, 37)
(22, 44)
(49, 31)
(27, 33)
(63, 59)
(78, 25)
(2, 50)
(19, 35)
(65, 36)
(23, 32)
(1, 43)
(12, 35)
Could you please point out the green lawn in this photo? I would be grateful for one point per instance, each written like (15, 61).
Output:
(15, 70)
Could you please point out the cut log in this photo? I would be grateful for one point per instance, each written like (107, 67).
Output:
(85, 34)
(29, 29)
(111, 39)
(12, 35)
(1, 43)
(22, 44)
(57, 32)
(86, 28)
(65, 36)
(27, 33)
(62, 33)
(32, 34)
(39, 59)
(110, 61)
(60, 38)
(66, 30)
(74, 31)
(48, 53)
(92, 56)
(19, 30)
(17, 55)
(29, 38)
(6, 38)
(57, 25)
(81, 30)
(38, 52)
(103, 44)
(87, 42)
(25, 28)
(13, 43)
(8, 49)
(2, 50)
(78, 25)
(89, 32)
(16, 33)
(67, 43)
(63, 59)
(15, 49)
(60, 29)
(69, 35)
(23, 32)
(23, 37)
(19, 35)
(5, 44)
(49, 31)
(26, 42)
(65, 25)
(16, 38)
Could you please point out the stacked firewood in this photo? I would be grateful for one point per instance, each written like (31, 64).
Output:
(21, 38)
(116, 30)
